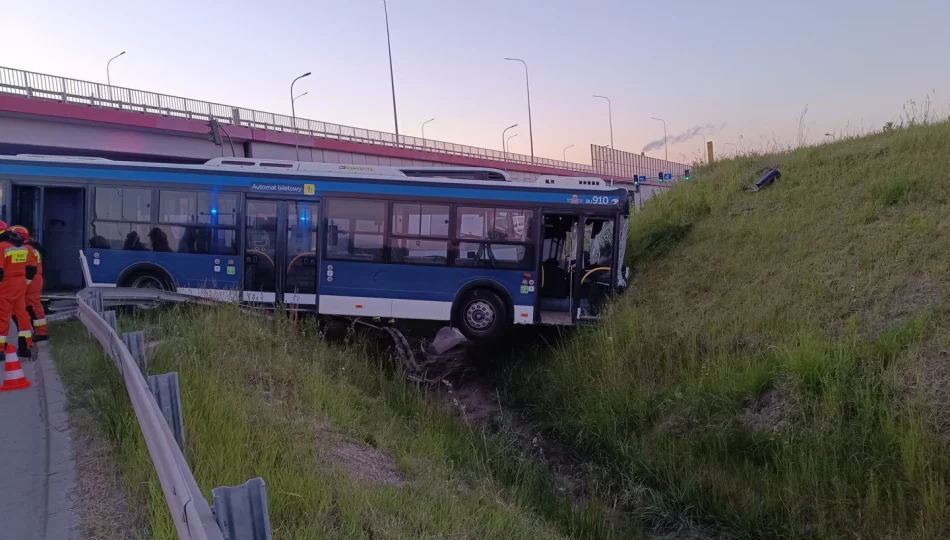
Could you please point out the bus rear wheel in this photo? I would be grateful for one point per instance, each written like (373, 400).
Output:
(481, 315)
(148, 280)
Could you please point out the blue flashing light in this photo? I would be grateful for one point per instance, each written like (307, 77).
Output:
(214, 210)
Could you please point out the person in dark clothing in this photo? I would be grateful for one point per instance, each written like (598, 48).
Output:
(133, 243)
(159, 240)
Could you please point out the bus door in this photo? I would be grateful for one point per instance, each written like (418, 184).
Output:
(54, 215)
(557, 296)
(598, 268)
(280, 253)
(576, 260)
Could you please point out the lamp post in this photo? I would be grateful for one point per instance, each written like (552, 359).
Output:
(299, 96)
(109, 74)
(527, 86)
(704, 144)
(508, 141)
(392, 80)
(424, 130)
(504, 144)
(564, 152)
(666, 149)
(610, 115)
(293, 112)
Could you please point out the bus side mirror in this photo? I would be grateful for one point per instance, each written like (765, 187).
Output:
(334, 235)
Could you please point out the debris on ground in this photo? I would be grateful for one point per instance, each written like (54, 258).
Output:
(767, 179)
(424, 362)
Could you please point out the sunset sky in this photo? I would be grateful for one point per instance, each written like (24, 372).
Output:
(751, 66)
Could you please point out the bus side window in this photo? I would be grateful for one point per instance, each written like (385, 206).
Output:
(360, 229)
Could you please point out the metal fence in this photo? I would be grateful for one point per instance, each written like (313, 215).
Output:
(617, 163)
(39, 85)
(193, 517)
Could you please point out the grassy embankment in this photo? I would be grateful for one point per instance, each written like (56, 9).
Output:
(780, 367)
(346, 450)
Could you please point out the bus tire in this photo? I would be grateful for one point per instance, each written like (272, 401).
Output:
(481, 314)
(148, 279)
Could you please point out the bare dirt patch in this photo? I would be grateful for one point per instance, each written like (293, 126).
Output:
(104, 507)
(931, 377)
(770, 411)
(361, 462)
(742, 208)
(911, 298)
(917, 295)
(474, 400)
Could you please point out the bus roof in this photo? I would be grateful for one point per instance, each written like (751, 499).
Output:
(275, 167)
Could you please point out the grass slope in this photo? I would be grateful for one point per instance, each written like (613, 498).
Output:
(346, 450)
(779, 368)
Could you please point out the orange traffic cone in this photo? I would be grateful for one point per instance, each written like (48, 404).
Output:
(14, 378)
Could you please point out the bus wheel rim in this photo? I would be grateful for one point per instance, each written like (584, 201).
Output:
(147, 282)
(479, 315)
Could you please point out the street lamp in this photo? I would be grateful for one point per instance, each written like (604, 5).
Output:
(564, 152)
(504, 144)
(610, 115)
(299, 96)
(392, 80)
(424, 130)
(528, 88)
(109, 75)
(508, 141)
(704, 145)
(293, 111)
(666, 149)
(733, 145)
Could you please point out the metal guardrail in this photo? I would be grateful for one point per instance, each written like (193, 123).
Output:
(190, 512)
(39, 85)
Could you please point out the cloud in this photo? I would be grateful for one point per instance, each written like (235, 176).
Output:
(695, 131)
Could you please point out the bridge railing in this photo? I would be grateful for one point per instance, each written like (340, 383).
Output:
(40, 85)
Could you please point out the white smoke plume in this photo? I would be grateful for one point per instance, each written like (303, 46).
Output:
(705, 129)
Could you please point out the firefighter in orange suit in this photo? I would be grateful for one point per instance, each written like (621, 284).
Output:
(14, 273)
(34, 306)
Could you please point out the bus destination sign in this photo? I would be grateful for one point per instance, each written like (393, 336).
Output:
(593, 199)
(291, 189)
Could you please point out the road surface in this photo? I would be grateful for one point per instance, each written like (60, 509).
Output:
(37, 480)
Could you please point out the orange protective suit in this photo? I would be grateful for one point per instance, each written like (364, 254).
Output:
(14, 272)
(34, 305)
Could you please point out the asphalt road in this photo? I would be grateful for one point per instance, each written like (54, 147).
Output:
(37, 480)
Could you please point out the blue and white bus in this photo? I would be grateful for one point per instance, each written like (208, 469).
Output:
(465, 245)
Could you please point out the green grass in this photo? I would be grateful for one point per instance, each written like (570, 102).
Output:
(825, 292)
(777, 370)
(271, 399)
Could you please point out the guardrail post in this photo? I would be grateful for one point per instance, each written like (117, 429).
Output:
(95, 301)
(241, 511)
(135, 343)
(165, 389)
(110, 319)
